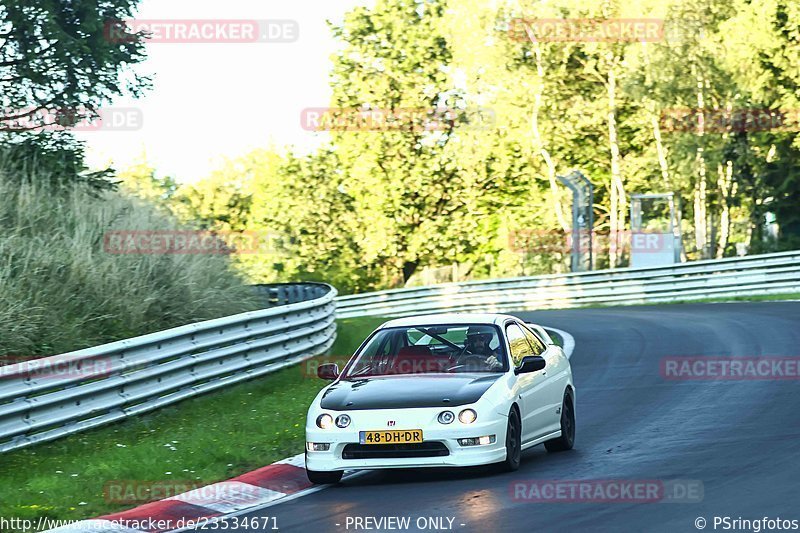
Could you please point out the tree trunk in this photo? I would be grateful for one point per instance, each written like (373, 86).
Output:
(756, 232)
(700, 218)
(538, 143)
(725, 179)
(700, 228)
(616, 189)
(661, 150)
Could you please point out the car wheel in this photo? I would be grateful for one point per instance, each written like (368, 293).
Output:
(324, 478)
(513, 442)
(567, 439)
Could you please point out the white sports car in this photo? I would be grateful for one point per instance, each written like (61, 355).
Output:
(442, 390)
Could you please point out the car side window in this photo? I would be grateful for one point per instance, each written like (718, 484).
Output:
(518, 344)
(535, 342)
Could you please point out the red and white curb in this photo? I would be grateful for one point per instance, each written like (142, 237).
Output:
(260, 488)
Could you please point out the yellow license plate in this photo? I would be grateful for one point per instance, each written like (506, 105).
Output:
(392, 436)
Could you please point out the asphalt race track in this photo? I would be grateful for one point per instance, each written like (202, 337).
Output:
(739, 438)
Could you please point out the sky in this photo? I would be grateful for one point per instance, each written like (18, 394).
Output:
(215, 100)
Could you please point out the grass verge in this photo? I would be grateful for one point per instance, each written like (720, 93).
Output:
(201, 440)
(748, 298)
(71, 275)
(721, 299)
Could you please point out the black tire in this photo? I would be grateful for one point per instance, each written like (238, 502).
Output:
(324, 478)
(513, 443)
(567, 439)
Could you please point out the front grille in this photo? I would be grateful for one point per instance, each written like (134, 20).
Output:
(394, 451)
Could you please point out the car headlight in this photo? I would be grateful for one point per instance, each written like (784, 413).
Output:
(467, 416)
(324, 421)
(342, 421)
(446, 417)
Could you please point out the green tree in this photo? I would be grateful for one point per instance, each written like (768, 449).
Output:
(140, 179)
(57, 62)
(370, 208)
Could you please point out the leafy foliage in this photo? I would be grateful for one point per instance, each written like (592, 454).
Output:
(374, 206)
(63, 288)
(57, 61)
(58, 66)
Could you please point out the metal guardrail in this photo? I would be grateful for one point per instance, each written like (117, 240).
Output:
(88, 388)
(114, 381)
(752, 275)
(275, 294)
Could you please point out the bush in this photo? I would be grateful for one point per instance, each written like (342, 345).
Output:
(61, 291)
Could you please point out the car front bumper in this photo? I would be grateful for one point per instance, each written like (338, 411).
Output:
(424, 419)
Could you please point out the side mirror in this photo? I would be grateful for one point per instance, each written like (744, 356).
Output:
(531, 363)
(329, 371)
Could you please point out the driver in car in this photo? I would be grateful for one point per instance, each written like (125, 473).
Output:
(477, 344)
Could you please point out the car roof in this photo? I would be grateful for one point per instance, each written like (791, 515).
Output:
(447, 318)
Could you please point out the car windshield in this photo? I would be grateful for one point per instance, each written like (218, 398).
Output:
(430, 350)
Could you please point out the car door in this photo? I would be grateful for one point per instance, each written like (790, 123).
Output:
(555, 378)
(530, 386)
